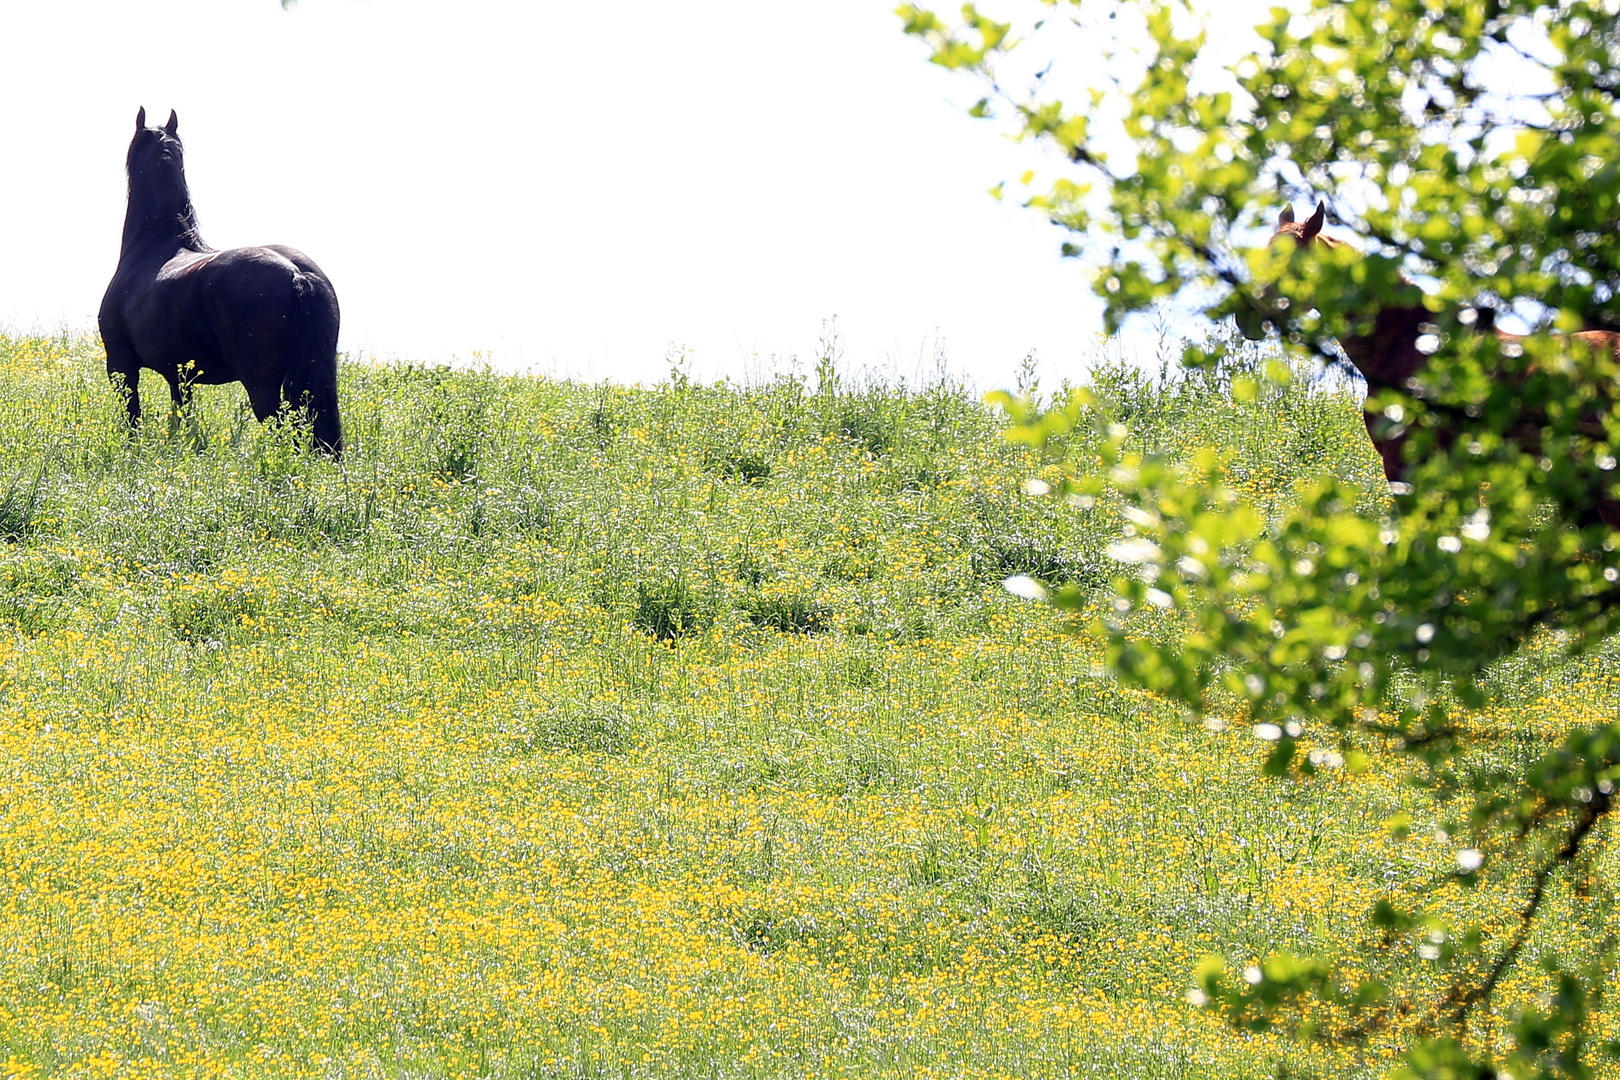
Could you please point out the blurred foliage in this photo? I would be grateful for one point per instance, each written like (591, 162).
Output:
(1471, 148)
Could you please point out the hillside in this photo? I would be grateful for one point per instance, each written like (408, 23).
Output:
(583, 730)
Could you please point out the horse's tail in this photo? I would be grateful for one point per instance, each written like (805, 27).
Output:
(309, 380)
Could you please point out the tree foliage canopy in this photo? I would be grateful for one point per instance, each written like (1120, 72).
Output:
(1471, 150)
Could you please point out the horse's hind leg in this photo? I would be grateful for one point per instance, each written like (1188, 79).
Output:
(265, 397)
(322, 409)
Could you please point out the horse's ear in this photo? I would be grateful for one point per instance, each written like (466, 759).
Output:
(1286, 217)
(1314, 225)
(174, 123)
(140, 119)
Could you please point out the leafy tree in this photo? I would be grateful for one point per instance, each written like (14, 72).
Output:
(1472, 149)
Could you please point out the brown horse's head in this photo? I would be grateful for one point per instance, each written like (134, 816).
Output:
(1386, 352)
(1307, 232)
(1252, 322)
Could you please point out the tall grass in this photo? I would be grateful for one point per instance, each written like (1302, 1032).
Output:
(585, 730)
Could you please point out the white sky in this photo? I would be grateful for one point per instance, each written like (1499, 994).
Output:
(567, 187)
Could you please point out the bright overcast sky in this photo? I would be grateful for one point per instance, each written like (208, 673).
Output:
(564, 187)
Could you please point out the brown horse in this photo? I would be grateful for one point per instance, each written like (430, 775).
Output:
(1392, 354)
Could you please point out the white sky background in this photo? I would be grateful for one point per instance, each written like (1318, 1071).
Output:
(562, 187)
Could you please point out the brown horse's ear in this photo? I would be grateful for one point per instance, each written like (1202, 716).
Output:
(1286, 217)
(140, 119)
(1314, 225)
(174, 123)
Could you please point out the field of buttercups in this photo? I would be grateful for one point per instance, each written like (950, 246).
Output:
(584, 730)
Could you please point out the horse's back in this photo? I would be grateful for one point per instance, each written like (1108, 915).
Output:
(260, 290)
(1600, 341)
(236, 314)
(251, 280)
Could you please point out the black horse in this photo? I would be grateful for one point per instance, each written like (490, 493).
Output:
(262, 316)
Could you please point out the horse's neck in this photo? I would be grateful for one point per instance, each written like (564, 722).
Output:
(1388, 355)
(160, 220)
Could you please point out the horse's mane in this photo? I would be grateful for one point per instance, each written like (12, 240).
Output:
(160, 195)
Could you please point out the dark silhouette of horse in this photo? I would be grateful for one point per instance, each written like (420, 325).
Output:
(1392, 353)
(262, 316)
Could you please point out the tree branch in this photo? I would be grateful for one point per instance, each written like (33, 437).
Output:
(1459, 1001)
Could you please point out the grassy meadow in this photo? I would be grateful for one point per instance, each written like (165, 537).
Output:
(574, 730)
